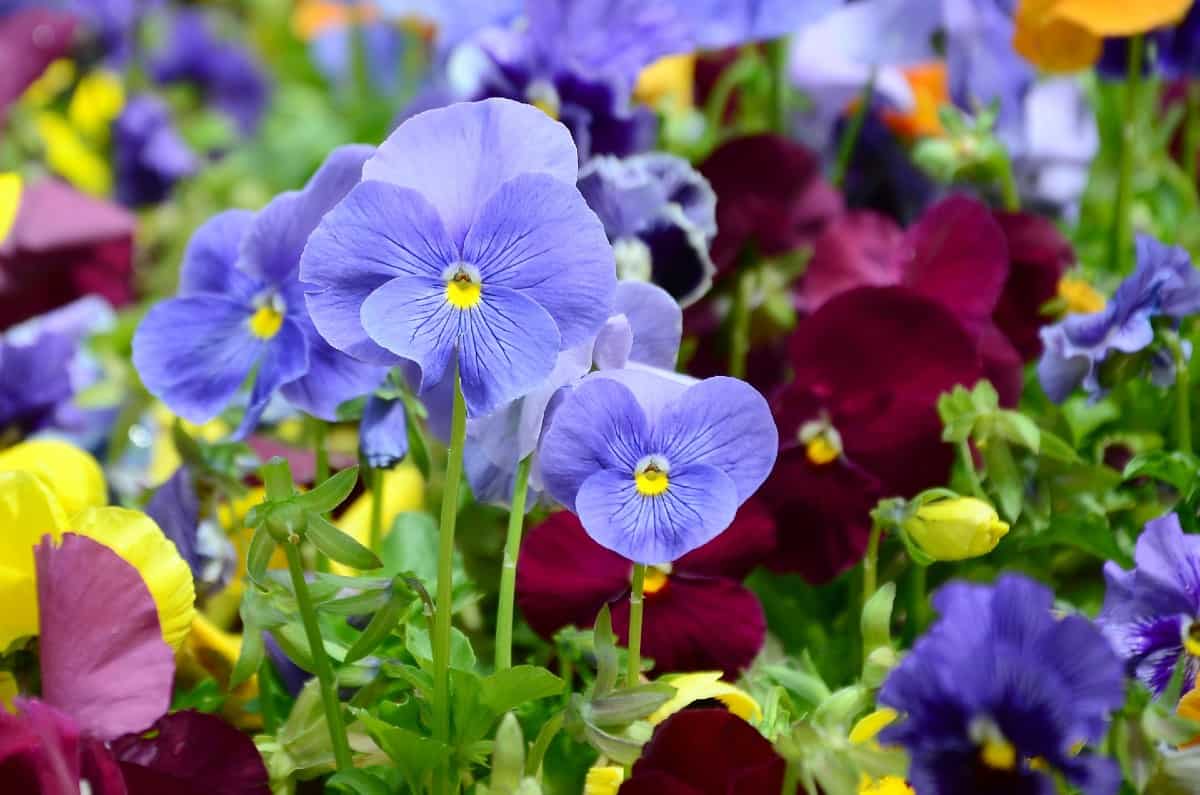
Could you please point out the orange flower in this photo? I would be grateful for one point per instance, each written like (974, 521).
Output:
(930, 89)
(1066, 35)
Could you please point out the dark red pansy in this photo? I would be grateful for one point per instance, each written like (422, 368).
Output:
(859, 421)
(770, 194)
(698, 616)
(191, 753)
(43, 750)
(706, 752)
(64, 245)
(1038, 255)
(30, 39)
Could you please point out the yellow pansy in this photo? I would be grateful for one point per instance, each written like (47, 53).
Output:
(97, 100)
(931, 90)
(888, 785)
(604, 780)
(865, 731)
(72, 474)
(668, 83)
(10, 201)
(212, 652)
(403, 490)
(55, 79)
(28, 511)
(8, 690)
(690, 688)
(70, 157)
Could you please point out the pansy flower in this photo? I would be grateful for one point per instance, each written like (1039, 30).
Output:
(659, 215)
(150, 154)
(859, 421)
(1001, 694)
(564, 578)
(1151, 613)
(30, 39)
(64, 245)
(644, 331)
(241, 311)
(467, 241)
(1164, 284)
(728, 23)
(655, 467)
(770, 194)
(1064, 35)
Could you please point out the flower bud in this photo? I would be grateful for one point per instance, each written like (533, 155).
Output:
(956, 528)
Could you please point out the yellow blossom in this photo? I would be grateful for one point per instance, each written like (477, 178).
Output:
(95, 103)
(72, 474)
(693, 687)
(70, 157)
(403, 490)
(667, 84)
(604, 780)
(956, 529)
(1067, 35)
(1079, 296)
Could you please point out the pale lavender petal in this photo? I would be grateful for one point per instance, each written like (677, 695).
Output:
(613, 343)
(724, 423)
(457, 157)
(383, 434)
(655, 320)
(103, 658)
(537, 236)
(331, 379)
(411, 317)
(377, 233)
(284, 359)
(211, 256)
(654, 389)
(699, 503)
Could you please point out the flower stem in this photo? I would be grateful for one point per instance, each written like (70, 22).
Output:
(636, 599)
(852, 131)
(444, 608)
(508, 572)
(968, 462)
(918, 600)
(1183, 384)
(1008, 186)
(1121, 232)
(870, 564)
(1191, 135)
(777, 60)
(324, 671)
(321, 457)
(739, 319)
(791, 778)
(376, 509)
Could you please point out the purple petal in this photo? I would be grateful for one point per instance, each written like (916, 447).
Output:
(284, 359)
(699, 503)
(536, 235)
(883, 32)
(613, 344)
(383, 434)
(212, 253)
(598, 426)
(724, 423)
(457, 157)
(1170, 559)
(103, 658)
(30, 39)
(655, 320)
(616, 37)
(654, 389)
(331, 379)
(194, 353)
(377, 233)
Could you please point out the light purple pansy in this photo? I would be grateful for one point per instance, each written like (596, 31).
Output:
(241, 310)
(644, 331)
(728, 23)
(656, 465)
(466, 240)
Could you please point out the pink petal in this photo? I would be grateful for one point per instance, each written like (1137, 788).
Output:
(857, 249)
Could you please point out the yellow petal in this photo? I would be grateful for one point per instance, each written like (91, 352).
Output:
(138, 540)
(888, 785)
(1120, 17)
(28, 511)
(97, 100)
(604, 780)
(10, 201)
(55, 79)
(871, 725)
(70, 157)
(1053, 43)
(72, 474)
(690, 688)
(403, 490)
(667, 83)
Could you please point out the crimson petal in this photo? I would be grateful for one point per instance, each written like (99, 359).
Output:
(734, 553)
(857, 249)
(1038, 256)
(29, 40)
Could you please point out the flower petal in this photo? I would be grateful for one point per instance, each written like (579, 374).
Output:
(103, 659)
(457, 157)
(212, 253)
(856, 249)
(377, 233)
(72, 474)
(330, 380)
(698, 504)
(29, 509)
(537, 236)
(724, 423)
(194, 353)
(284, 359)
(39, 749)
(747, 542)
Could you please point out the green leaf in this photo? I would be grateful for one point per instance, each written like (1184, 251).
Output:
(361, 604)
(1004, 478)
(622, 707)
(510, 688)
(1177, 468)
(380, 626)
(1083, 417)
(262, 547)
(1088, 532)
(339, 546)
(411, 545)
(415, 756)
(607, 662)
(876, 622)
(1016, 428)
(249, 657)
(330, 494)
(462, 656)
(1056, 448)
(356, 782)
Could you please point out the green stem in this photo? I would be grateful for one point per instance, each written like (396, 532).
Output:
(739, 318)
(636, 599)
(968, 462)
(1183, 385)
(918, 599)
(508, 573)
(324, 672)
(791, 778)
(1191, 136)
(870, 564)
(266, 696)
(1121, 232)
(852, 131)
(321, 455)
(444, 608)
(730, 78)
(777, 59)
(1008, 187)
(376, 509)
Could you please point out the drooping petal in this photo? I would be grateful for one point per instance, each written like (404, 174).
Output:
(613, 344)
(724, 423)
(699, 502)
(698, 624)
(537, 236)
(103, 658)
(283, 360)
(194, 353)
(457, 157)
(212, 253)
(383, 434)
(331, 379)
(377, 233)
(138, 540)
(564, 577)
(191, 753)
(599, 425)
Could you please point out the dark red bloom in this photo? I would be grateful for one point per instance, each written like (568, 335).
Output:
(770, 193)
(991, 270)
(29, 40)
(699, 617)
(859, 421)
(64, 245)
(706, 752)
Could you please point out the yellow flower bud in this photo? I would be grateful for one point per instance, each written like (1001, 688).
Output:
(955, 529)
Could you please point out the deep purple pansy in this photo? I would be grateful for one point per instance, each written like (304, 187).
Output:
(151, 156)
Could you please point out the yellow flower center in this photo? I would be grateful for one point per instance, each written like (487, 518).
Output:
(821, 451)
(656, 579)
(651, 482)
(998, 754)
(1191, 639)
(463, 289)
(822, 443)
(266, 322)
(1079, 296)
(543, 96)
